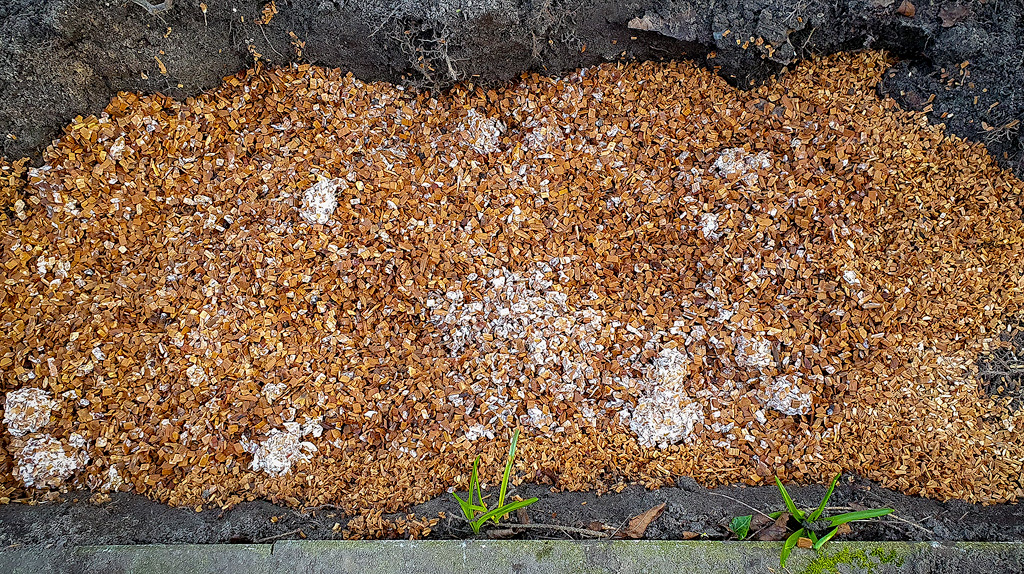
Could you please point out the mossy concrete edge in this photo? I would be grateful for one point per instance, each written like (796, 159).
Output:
(518, 556)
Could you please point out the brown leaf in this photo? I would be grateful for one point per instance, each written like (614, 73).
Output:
(804, 542)
(843, 529)
(776, 531)
(687, 535)
(953, 15)
(638, 524)
(523, 517)
(759, 521)
(907, 9)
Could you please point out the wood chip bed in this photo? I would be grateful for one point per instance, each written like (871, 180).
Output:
(320, 291)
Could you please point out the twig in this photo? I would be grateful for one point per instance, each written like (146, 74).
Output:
(296, 531)
(535, 526)
(911, 523)
(154, 9)
(740, 502)
(619, 529)
(320, 507)
(569, 529)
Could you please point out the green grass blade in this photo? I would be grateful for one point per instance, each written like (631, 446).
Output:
(467, 508)
(508, 472)
(793, 510)
(812, 536)
(501, 511)
(824, 501)
(776, 514)
(740, 526)
(788, 547)
(860, 515)
(821, 541)
(474, 485)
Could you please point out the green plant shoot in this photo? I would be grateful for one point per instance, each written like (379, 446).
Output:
(475, 502)
(807, 521)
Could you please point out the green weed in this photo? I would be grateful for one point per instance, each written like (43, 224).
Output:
(476, 513)
(809, 524)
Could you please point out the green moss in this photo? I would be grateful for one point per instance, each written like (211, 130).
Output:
(544, 552)
(828, 563)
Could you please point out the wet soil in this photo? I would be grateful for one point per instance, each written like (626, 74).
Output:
(690, 509)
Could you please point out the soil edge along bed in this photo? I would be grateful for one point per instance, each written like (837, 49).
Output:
(300, 286)
(64, 58)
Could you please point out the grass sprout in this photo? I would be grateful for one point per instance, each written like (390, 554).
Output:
(475, 509)
(812, 523)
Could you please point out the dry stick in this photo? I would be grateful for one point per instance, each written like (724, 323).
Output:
(535, 526)
(320, 507)
(570, 529)
(296, 531)
(740, 502)
(910, 522)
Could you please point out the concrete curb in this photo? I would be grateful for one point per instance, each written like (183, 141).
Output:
(517, 556)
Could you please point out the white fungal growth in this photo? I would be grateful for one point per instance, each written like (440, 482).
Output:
(851, 279)
(196, 375)
(738, 161)
(666, 414)
(276, 454)
(320, 201)
(43, 461)
(709, 225)
(541, 134)
(753, 353)
(273, 390)
(482, 133)
(476, 432)
(784, 395)
(27, 410)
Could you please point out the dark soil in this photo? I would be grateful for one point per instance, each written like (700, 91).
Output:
(1002, 370)
(62, 58)
(132, 519)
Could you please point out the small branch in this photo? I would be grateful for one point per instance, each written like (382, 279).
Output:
(268, 538)
(740, 502)
(568, 529)
(910, 522)
(155, 9)
(321, 507)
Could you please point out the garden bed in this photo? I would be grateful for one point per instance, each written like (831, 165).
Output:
(331, 294)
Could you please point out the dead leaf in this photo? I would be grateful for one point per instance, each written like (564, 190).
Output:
(687, 535)
(843, 529)
(907, 9)
(759, 521)
(804, 542)
(638, 524)
(953, 15)
(597, 526)
(500, 533)
(776, 531)
(523, 517)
